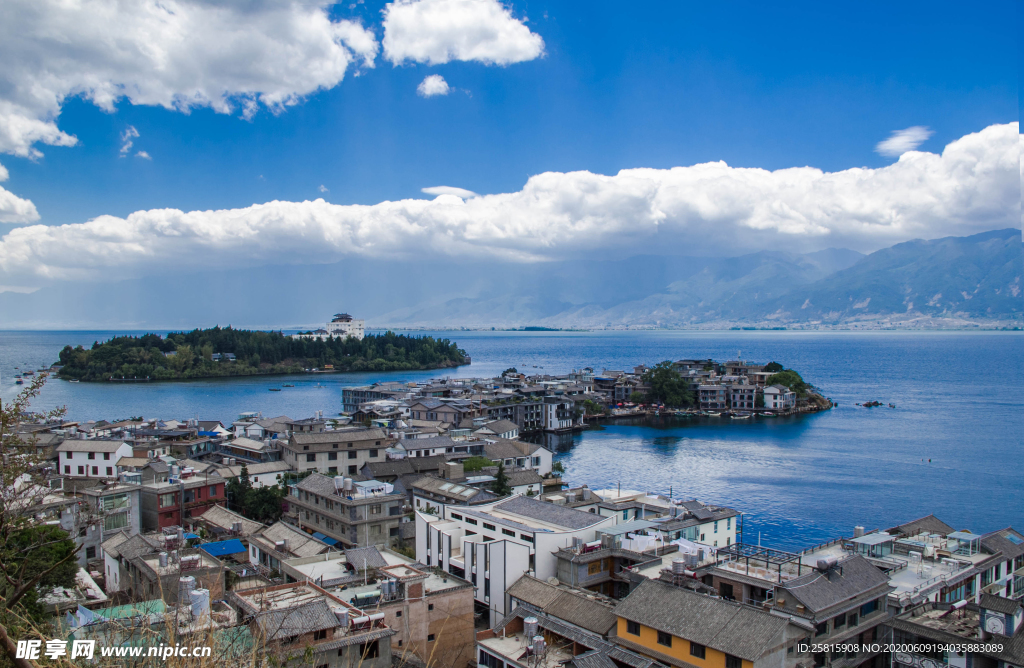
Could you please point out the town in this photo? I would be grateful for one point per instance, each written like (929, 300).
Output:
(423, 526)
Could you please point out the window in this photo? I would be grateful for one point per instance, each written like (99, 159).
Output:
(430, 637)
(335, 446)
(305, 447)
(90, 553)
(851, 619)
(352, 469)
(81, 470)
(375, 530)
(106, 456)
(528, 538)
(375, 509)
(868, 608)
(664, 639)
(456, 516)
(393, 532)
(821, 629)
(373, 453)
(632, 627)
(489, 527)
(95, 470)
(320, 635)
(840, 622)
(488, 661)
(487, 585)
(398, 613)
(470, 520)
(369, 650)
(114, 502)
(311, 457)
(332, 456)
(716, 526)
(430, 606)
(697, 650)
(67, 470)
(332, 469)
(213, 490)
(509, 532)
(734, 661)
(92, 455)
(593, 568)
(348, 445)
(728, 523)
(110, 470)
(352, 454)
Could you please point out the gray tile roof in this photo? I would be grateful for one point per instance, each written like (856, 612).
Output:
(571, 607)
(929, 523)
(549, 512)
(525, 477)
(503, 448)
(317, 483)
(300, 543)
(111, 544)
(368, 555)
(999, 604)
(137, 546)
(284, 623)
(360, 438)
(852, 579)
(91, 445)
(500, 426)
(722, 625)
(224, 518)
(1001, 541)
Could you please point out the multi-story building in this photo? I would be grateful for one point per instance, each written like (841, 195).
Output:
(519, 455)
(355, 513)
(779, 398)
(713, 397)
(300, 619)
(93, 458)
(172, 503)
(272, 546)
(560, 414)
(337, 452)
(341, 326)
(742, 397)
(680, 627)
(108, 509)
(527, 415)
(493, 545)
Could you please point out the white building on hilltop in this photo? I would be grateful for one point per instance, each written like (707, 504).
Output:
(341, 326)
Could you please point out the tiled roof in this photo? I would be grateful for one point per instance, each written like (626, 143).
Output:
(525, 477)
(223, 518)
(111, 544)
(137, 546)
(287, 622)
(999, 604)
(92, 445)
(360, 438)
(300, 543)
(317, 483)
(508, 449)
(549, 512)
(929, 523)
(852, 578)
(368, 555)
(500, 426)
(722, 625)
(576, 609)
(1008, 541)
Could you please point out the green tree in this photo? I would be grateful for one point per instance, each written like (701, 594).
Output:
(264, 503)
(239, 490)
(773, 367)
(668, 386)
(46, 552)
(790, 379)
(636, 397)
(557, 468)
(501, 486)
(509, 370)
(475, 463)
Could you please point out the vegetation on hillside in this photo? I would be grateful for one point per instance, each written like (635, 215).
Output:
(185, 355)
(668, 386)
(790, 379)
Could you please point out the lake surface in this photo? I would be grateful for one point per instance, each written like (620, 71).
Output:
(954, 445)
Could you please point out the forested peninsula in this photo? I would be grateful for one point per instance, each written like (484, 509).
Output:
(222, 352)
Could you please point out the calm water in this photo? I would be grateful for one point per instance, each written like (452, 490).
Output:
(954, 446)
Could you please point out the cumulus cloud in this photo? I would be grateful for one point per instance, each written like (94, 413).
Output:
(433, 85)
(14, 209)
(450, 190)
(127, 138)
(178, 54)
(439, 31)
(708, 208)
(323, 188)
(143, 155)
(901, 141)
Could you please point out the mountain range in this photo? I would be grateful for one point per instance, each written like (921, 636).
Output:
(949, 282)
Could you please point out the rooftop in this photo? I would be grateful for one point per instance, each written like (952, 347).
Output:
(557, 517)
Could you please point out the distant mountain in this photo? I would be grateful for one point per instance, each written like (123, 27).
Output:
(955, 281)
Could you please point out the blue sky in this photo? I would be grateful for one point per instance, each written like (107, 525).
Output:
(640, 85)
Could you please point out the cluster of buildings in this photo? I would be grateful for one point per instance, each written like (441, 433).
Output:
(425, 531)
(341, 326)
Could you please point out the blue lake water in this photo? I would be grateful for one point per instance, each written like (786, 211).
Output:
(954, 446)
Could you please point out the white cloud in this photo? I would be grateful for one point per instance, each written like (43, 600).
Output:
(433, 85)
(178, 54)
(901, 141)
(449, 190)
(439, 31)
(143, 155)
(323, 188)
(14, 209)
(127, 138)
(709, 208)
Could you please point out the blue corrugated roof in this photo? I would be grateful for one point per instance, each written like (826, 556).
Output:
(223, 547)
(327, 540)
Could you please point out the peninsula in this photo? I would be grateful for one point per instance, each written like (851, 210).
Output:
(223, 352)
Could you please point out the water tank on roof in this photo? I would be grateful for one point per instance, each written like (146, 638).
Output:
(825, 563)
(348, 485)
(339, 482)
(570, 497)
(163, 560)
(858, 531)
(585, 492)
(530, 626)
(679, 566)
(200, 601)
(538, 645)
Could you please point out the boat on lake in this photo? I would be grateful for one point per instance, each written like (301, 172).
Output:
(287, 385)
(713, 414)
(740, 417)
(275, 389)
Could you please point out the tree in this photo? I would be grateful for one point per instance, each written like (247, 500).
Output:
(636, 397)
(501, 486)
(475, 463)
(790, 379)
(31, 556)
(238, 491)
(557, 468)
(264, 503)
(773, 367)
(668, 386)
(510, 370)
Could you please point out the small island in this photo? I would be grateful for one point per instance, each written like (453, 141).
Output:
(225, 352)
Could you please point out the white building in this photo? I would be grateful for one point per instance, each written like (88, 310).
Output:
(80, 458)
(779, 398)
(493, 545)
(341, 326)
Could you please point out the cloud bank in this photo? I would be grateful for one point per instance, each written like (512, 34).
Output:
(710, 208)
(440, 31)
(178, 54)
